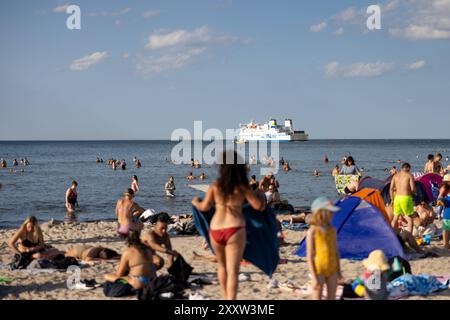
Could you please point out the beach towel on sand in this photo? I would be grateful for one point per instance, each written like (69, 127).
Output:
(420, 285)
(262, 241)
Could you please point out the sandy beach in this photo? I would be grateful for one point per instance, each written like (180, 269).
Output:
(52, 286)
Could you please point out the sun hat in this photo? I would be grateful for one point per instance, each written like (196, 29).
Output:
(323, 203)
(376, 260)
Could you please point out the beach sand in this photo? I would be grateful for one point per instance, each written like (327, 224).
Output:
(52, 286)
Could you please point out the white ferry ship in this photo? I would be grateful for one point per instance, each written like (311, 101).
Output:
(271, 131)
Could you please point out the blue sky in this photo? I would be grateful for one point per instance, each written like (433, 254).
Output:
(140, 69)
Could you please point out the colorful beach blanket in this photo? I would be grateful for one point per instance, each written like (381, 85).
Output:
(343, 181)
(262, 247)
(294, 226)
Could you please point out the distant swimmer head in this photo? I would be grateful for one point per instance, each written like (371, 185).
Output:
(135, 177)
(129, 193)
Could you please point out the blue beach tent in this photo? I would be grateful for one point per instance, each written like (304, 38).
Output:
(262, 248)
(361, 228)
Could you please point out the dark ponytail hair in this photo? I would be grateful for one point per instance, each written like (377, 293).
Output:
(134, 240)
(232, 175)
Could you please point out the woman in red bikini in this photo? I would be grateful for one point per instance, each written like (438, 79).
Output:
(227, 233)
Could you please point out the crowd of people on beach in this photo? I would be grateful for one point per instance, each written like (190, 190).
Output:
(147, 247)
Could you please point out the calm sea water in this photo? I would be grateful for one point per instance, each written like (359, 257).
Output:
(40, 190)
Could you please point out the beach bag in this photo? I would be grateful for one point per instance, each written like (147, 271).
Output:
(119, 288)
(180, 270)
(21, 261)
(162, 284)
(399, 267)
(62, 263)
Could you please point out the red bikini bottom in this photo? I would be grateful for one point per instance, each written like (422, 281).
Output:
(223, 235)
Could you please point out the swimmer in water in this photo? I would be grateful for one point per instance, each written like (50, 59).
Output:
(3, 163)
(202, 176)
(335, 171)
(135, 184)
(138, 164)
(123, 165)
(27, 163)
(190, 176)
(114, 165)
(325, 159)
(169, 188)
(15, 163)
(97, 160)
(286, 167)
(72, 197)
(316, 173)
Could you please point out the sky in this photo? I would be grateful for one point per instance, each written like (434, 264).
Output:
(141, 69)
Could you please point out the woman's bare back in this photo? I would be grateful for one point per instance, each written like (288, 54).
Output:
(228, 211)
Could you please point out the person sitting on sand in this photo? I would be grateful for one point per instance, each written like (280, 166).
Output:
(425, 213)
(159, 241)
(335, 171)
(134, 184)
(202, 176)
(227, 228)
(91, 254)
(266, 181)
(127, 213)
(272, 196)
(403, 189)
(429, 166)
(169, 187)
(30, 240)
(72, 197)
(322, 250)
(190, 176)
(136, 263)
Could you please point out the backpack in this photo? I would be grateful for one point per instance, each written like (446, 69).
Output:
(119, 288)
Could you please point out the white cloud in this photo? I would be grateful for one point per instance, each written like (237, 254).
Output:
(169, 61)
(61, 8)
(416, 32)
(86, 62)
(347, 14)
(417, 65)
(126, 55)
(425, 20)
(339, 31)
(334, 69)
(331, 69)
(119, 13)
(318, 27)
(151, 14)
(181, 37)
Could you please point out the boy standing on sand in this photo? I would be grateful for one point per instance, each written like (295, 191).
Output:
(402, 191)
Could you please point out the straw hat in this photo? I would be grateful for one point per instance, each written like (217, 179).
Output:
(446, 178)
(376, 260)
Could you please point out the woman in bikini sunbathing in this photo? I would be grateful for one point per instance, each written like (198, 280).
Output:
(29, 240)
(228, 235)
(136, 266)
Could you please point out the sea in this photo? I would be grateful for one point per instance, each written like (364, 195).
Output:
(39, 189)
